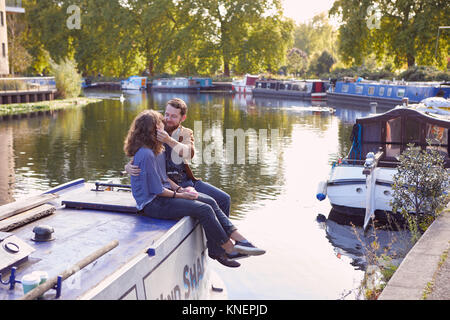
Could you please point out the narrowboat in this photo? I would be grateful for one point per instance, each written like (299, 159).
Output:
(134, 83)
(91, 243)
(387, 94)
(245, 85)
(295, 89)
(359, 186)
(182, 84)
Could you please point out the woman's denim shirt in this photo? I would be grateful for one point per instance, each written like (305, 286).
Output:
(153, 178)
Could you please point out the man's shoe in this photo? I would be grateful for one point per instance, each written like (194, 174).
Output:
(236, 255)
(228, 262)
(248, 248)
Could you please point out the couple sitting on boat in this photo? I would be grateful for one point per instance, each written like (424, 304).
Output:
(165, 188)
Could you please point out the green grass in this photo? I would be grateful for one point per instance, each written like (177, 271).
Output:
(21, 108)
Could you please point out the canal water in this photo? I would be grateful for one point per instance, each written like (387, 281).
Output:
(272, 185)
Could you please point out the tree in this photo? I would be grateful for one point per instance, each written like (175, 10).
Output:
(322, 63)
(405, 30)
(19, 58)
(297, 62)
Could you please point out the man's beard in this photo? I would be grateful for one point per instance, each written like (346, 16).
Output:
(170, 129)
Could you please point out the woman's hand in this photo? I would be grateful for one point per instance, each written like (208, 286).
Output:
(132, 170)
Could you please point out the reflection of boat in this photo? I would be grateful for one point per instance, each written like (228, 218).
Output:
(182, 84)
(353, 242)
(154, 259)
(385, 93)
(134, 83)
(245, 85)
(360, 184)
(294, 89)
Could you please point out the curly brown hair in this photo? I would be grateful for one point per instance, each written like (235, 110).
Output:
(142, 132)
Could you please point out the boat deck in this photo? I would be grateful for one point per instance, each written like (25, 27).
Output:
(78, 233)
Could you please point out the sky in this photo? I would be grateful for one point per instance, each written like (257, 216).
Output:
(303, 10)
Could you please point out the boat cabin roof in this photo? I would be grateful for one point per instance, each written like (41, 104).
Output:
(394, 130)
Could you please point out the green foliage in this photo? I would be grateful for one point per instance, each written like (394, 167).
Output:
(407, 31)
(423, 73)
(297, 62)
(67, 78)
(322, 64)
(419, 188)
(189, 37)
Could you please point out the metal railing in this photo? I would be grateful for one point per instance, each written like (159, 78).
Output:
(14, 3)
(37, 84)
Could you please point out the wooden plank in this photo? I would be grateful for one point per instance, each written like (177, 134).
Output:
(26, 217)
(13, 208)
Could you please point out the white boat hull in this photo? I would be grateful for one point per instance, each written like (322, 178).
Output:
(346, 187)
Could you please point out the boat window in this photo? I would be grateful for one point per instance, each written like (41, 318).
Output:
(264, 85)
(389, 92)
(371, 90)
(359, 89)
(393, 137)
(381, 91)
(438, 138)
(400, 93)
(289, 87)
(282, 86)
(371, 138)
(345, 88)
(295, 87)
(412, 132)
(272, 86)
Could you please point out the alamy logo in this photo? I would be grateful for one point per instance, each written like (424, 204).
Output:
(74, 21)
(374, 20)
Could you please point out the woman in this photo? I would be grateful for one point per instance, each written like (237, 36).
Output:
(158, 197)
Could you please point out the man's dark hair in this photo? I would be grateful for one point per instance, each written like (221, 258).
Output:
(178, 104)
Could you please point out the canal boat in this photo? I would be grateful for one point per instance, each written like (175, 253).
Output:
(92, 243)
(134, 83)
(182, 84)
(387, 94)
(245, 85)
(359, 186)
(294, 89)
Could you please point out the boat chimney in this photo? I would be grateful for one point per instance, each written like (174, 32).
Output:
(405, 102)
(373, 107)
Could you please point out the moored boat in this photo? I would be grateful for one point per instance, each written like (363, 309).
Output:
(387, 94)
(359, 186)
(294, 89)
(134, 83)
(149, 258)
(245, 85)
(182, 84)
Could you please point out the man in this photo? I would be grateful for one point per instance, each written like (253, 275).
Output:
(179, 143)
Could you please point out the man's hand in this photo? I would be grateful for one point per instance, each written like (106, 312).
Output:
(162, 136)
(132, 170)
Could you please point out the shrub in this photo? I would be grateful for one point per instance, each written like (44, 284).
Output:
(419, 188)
(67, 78)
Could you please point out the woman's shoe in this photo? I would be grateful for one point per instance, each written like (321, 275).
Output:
(248, 248)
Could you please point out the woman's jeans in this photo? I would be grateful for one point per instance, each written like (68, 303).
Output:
(216, 224)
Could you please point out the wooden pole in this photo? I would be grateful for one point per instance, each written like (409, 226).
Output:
(49, 284)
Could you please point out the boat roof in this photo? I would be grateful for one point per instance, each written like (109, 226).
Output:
(416, 110)
(80, 232)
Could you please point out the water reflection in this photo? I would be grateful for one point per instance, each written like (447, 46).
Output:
(273, 200)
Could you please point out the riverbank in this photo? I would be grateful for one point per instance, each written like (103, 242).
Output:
(425, 272)
(18, 110)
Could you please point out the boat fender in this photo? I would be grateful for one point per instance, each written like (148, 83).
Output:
(321, 191)
(321, 218)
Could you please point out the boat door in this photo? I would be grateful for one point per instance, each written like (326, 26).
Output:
(318, 87)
